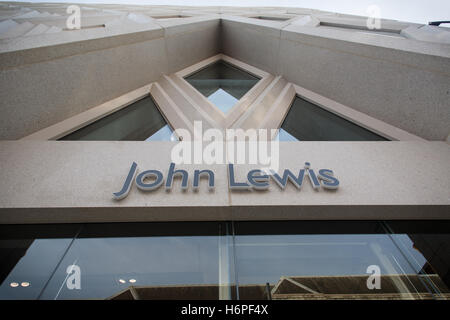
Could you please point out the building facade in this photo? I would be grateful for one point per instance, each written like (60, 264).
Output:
(155, 152)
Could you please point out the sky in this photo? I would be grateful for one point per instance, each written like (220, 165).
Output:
(420, 11)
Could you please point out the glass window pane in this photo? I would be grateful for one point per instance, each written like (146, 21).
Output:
(29, 256)
(137, 122)
(153, 261)
(223, 100)
(201, 260)
(427, 247)
(331, 260)
(163, 134)
(308, 122)
(222, 83)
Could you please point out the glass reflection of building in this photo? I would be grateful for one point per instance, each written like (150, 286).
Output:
(245, 260)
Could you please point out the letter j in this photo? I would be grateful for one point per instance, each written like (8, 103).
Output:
(127, 184)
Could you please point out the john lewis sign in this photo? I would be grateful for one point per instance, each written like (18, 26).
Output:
(256, 179)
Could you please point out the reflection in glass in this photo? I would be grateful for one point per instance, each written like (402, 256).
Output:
(222, 83)
(332, 261)
(163, 134)
(29, 256)
(429, 240)
(137, 122)
(162, 262)
(227, 260)
(283, 135)
(223, 100)
(308, 122)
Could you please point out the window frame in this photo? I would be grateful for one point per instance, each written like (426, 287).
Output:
(358, 118)
(176, 118)
(226, 120)
(85, 118)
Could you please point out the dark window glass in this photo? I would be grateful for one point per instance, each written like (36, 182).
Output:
(307, 122)
(222, 83)
(137, 122)
(29, 255)
(212, 260)
(159, 260)
(333, 260)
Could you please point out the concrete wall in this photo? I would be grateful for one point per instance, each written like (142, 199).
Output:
(40, 87)
(403, 82)
(64, 182)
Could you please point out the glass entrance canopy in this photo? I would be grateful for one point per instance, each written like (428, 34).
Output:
(223, 84)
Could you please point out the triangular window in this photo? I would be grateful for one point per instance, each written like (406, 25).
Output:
(140, 121)
(306, 121)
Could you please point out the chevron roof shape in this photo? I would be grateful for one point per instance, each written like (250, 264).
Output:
(264, 105)
(191, 101)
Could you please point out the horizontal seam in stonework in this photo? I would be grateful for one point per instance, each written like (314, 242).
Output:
(352, 53)
(373, 58)
(72, 55)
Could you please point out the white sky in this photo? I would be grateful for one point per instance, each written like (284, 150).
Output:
(421, 11)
